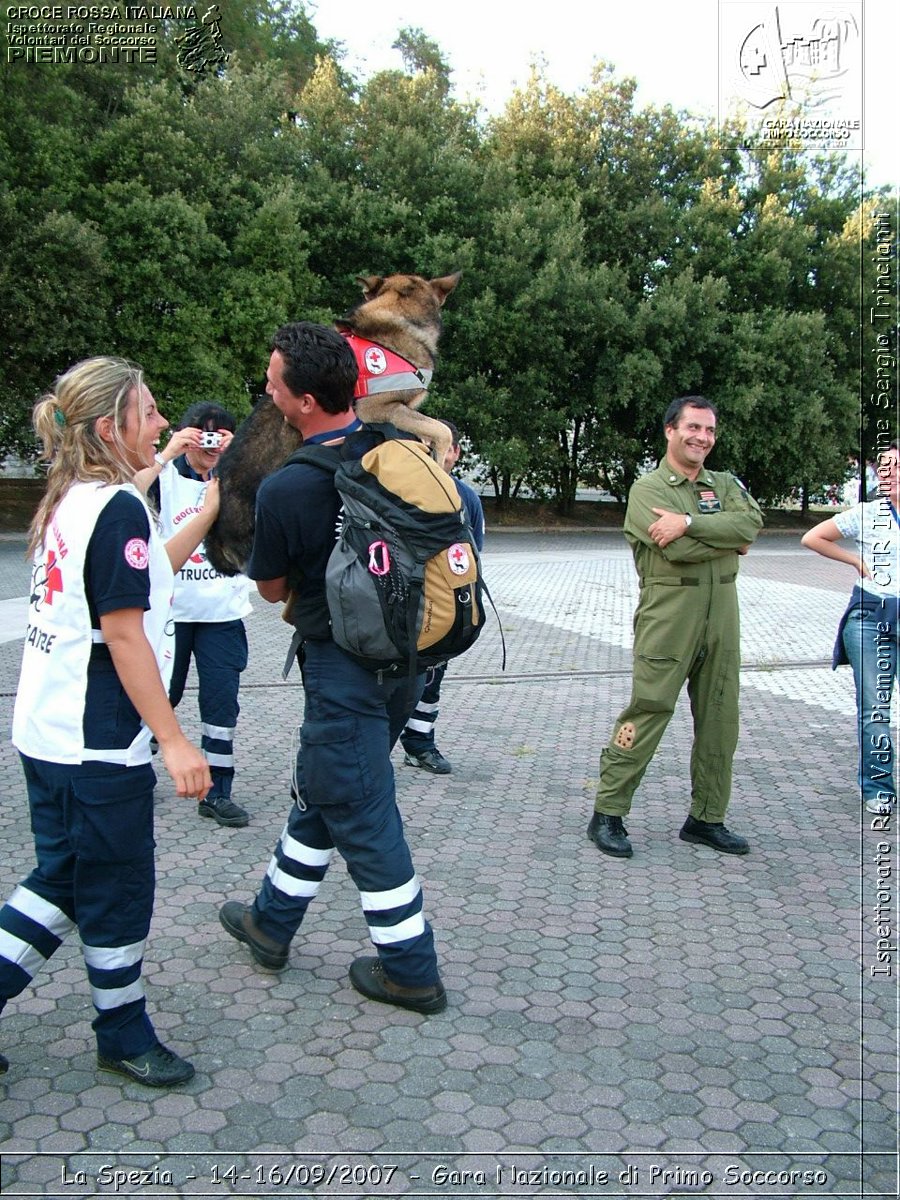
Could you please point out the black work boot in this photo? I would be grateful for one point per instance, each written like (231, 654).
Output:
(368, 977)
(224, 811)
(237, 919)
(713, 833)
(609, 835)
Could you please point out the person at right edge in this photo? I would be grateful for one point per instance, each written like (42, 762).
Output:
(344, 797)
(686, 526)
(868, 636)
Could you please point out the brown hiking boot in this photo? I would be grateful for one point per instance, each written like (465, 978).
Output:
(368, 977)
(237, 919)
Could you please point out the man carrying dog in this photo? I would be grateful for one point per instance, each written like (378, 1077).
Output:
(343, 792)
(686, 526)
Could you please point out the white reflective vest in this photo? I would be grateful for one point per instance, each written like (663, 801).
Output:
(201, 593)
(48, 719)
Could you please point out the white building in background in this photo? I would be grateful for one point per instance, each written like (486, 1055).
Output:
(13, 467)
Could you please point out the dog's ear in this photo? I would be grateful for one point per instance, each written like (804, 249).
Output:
(444, 286)
(370, 284)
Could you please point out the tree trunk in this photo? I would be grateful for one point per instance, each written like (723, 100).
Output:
(567, 476)
(500, 482)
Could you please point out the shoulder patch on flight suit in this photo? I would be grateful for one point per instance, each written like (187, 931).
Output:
(624, 738)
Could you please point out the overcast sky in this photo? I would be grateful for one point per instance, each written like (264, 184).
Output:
(671, 47)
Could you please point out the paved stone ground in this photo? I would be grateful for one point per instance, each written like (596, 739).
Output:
(677, 1023)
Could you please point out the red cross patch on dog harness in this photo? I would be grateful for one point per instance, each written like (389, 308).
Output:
(381, 370)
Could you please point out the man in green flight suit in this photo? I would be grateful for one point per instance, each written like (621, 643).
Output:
(686, 526)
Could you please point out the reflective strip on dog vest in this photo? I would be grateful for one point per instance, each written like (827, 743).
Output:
(381, 370)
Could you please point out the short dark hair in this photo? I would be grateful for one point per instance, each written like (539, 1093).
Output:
(454, 432)
(317, 361)
(677, 407)
(207, 416)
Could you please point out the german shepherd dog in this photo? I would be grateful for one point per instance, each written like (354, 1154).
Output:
(394, 332)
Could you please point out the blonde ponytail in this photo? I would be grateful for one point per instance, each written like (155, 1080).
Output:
(65, 421)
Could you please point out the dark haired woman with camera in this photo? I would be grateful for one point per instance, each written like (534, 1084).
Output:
(208, 608)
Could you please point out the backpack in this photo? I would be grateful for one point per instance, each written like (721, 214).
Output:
(403, 582)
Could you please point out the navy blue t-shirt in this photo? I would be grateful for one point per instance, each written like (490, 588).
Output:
(297, 511)
(474, 510)
(111, 584)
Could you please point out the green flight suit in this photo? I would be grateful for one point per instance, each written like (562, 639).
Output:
(686, 627)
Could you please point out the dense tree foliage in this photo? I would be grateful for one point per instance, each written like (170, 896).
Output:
(613, 257)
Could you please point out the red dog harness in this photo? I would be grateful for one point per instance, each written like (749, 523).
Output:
(381, 370)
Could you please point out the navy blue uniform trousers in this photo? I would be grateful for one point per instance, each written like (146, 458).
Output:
(220, 655)
(344, 799)
(418, 736)
(93, 837)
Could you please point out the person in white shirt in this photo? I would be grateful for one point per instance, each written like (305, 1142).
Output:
(869, 630)
(209, 607)
(95, 665)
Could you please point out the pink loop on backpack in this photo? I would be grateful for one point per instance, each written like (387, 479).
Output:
(379, 558)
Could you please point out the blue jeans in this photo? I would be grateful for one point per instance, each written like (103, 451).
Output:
(344, 800)
(870, 641)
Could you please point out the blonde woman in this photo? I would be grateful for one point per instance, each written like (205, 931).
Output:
(92, 688)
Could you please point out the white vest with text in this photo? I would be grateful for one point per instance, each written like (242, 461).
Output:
(201, 593)
(48, 720)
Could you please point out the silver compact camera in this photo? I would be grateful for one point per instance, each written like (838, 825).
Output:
(210, 440)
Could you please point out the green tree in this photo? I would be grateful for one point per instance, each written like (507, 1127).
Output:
(612, 257)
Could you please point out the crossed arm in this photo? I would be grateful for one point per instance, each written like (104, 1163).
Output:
(709, 535)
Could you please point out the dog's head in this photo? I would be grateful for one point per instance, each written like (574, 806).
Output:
(400, 303)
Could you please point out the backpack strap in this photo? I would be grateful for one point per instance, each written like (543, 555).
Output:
(484, 588)
(326, 458)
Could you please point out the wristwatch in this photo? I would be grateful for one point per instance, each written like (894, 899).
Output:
(158, 458)
(687, 518)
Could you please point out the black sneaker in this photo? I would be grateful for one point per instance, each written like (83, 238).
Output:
(223, 810)
(713, 833)
(368, 977)
(429, 760)
(237, 919)
(609, 835)
(157, 1067)
(4, 1064)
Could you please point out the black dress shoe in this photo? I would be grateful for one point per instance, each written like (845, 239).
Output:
(368, 977)
(609, 835)
(714, 834)
(237, 919)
